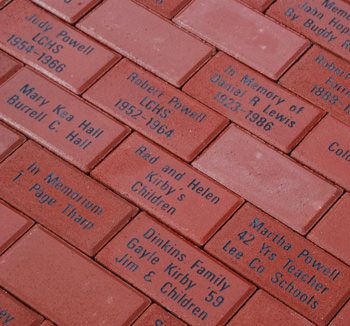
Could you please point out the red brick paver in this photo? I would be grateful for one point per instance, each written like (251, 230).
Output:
(14, 313)
(244, 34)
(156, 109)
(264, 310)
(323, 79)
(323, 21)
(332, 232)
(282, 262)
(174, 192)
(58, 120)
(67, 287)
(9, 140)
(253, 101)
(44, 42)
(268, 179)
(8, 66)
(146, 39)
(66, 201)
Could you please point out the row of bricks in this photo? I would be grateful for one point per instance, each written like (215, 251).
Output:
(125, 255)
(73, 123)
(42, 41)
(11, 140)
(82, 135)
(160, 187)
(268, 54)
(13, 312)
(72, 11)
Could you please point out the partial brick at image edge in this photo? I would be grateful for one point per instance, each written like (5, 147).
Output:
(50, 258)
(282, 262)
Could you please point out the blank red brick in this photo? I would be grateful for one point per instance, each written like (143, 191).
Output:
(9, 140)
(58, 120)
(66, 286)
(166, 8)
(157, 316)
(327, 150)
(325, 22)
(285, 264)
(12, 226)
(69, 10)
(51, 46)
(156, 109)
(332, 232)
(244, 34)
(14, 313)
(147, 39)
(253, 101)
(166, 187)
(71, 204)
(343, 317)
(267, 179)
(260, 5)
(176, 274)
(323, 79)
(264, 310)
(8, 66)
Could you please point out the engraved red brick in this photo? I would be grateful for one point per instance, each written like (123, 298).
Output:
(166, 8)
(8, 66)
(175, 273)
(147, 39)
(243, 33)
(156, 109)
(14, 313)
(343, 317)
(71, 204)
(9, 140)
(157, 316)
(54, 48)
(269, 180)
(166, 187)
(253, 101)
(260, 5)
(58, 120)
(323, 21)
(323, 79)
(264, 310)
(327, 150)
(12, 226)
(69, 10)
(332, 232)
(65, 285)
(282, 262)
